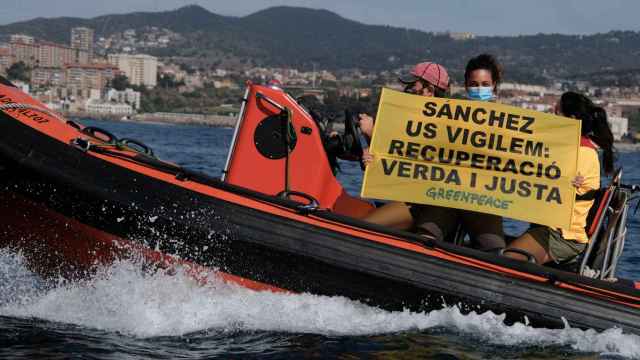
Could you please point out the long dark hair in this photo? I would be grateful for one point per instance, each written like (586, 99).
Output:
(594, 123)
(484, 62)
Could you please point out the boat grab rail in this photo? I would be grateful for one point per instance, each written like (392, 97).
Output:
(108, 140)
(528, 255)
(264, 97)
(100, 134)
(312, 206)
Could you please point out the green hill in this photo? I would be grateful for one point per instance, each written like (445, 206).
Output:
(301, 37)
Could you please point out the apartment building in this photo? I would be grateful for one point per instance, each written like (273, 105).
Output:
(89, 76)
(48, 77)
(140, 69)
(5, 59)
(82, 39)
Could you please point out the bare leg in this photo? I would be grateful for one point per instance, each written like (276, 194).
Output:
(435, 221)
(485, 229)
(394, 215)
(527, 243)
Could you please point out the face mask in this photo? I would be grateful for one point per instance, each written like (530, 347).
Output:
(482, 93)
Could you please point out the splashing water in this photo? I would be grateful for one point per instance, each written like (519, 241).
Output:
(123, 298)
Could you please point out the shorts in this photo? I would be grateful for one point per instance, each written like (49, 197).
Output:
(560, 249)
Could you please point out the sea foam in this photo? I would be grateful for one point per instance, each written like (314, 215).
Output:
(125, 299)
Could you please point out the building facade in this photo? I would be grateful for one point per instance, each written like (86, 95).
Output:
(128, 96)
(94, 106)
(82, 39)
(5, 59)
(22, 51)
(48, 77)
(44, 54)
(89, 76)
(56, 55)
(140, 69)
(24, 39)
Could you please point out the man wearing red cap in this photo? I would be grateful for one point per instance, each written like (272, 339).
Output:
(426, 79)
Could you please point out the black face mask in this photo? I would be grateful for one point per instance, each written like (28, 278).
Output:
(410, 89)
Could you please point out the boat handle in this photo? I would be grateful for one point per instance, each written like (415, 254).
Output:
(310, 207)
(264, 97)
(530, 258)
(136, 145)
(100, 134)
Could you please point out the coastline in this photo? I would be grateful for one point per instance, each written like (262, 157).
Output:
(160, 118)
(220, 121)
(627, 147)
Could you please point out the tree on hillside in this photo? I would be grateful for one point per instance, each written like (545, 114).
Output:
(120, 82)
(19, 71)
(167, 81)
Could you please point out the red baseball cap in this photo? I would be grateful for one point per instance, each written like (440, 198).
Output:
(433, 73)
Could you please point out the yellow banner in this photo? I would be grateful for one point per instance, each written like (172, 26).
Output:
(473, 155)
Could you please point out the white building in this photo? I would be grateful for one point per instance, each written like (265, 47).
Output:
(619, 126)
(461, 36)
(535, 106)
(94, 106)
(128, 96)
(140, 69)
(24, 39)
(534, 89)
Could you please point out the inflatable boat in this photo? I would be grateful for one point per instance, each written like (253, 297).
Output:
(73, 197)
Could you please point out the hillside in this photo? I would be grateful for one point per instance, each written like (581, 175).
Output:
(301, 37)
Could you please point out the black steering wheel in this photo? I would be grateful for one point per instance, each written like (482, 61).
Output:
(353, 137)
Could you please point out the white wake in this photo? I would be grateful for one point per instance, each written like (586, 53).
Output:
(123, 298)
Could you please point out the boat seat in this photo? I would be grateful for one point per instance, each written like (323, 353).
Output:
(604, 228)
(596, 213)
(598, 210)
(606, 235)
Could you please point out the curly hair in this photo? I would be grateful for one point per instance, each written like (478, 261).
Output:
(484, 62)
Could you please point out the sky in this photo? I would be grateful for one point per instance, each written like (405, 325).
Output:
(482, 17)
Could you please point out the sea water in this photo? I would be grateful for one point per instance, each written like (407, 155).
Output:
(127, 312)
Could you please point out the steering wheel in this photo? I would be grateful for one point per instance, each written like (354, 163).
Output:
(353, 137)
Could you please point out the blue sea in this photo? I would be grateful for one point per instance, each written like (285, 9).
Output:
(127, 313)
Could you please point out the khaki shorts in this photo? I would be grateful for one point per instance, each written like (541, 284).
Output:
(560, 249)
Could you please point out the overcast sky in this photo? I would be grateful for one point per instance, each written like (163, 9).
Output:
(483, 17)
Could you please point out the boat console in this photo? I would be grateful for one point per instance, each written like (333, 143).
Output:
(279, 149)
